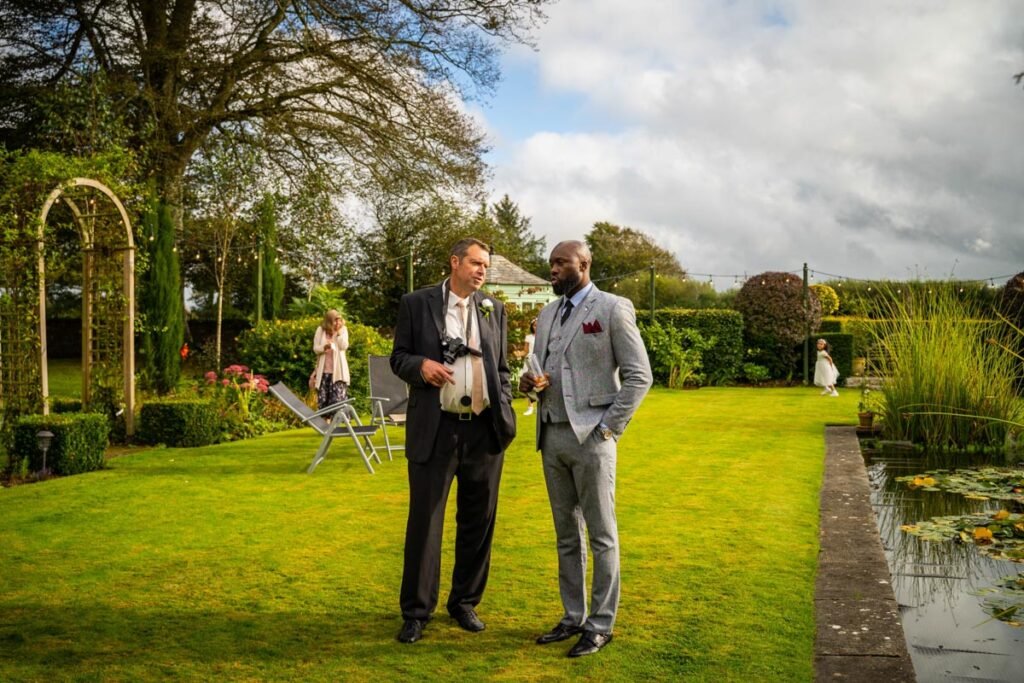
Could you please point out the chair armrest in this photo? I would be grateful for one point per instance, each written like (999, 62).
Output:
(329, 410)
(379, 398)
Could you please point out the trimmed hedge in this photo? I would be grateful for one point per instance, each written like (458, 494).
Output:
(65, 404)
(723, 361)
(842, 354)
(182, 422)
(79, 440)
(830, 325)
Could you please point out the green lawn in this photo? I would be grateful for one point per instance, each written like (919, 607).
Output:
(64, 376)
(230, 563)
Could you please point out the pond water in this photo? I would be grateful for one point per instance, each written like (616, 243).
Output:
(949, 635)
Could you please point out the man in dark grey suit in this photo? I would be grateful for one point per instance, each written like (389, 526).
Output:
(450, 347)
(596, 373)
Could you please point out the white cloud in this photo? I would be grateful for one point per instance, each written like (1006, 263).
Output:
(869, 139)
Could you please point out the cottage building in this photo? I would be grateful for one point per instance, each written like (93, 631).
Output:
(516, 285)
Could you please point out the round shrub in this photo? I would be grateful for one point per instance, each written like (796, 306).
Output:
(827, 297)
(1011, 305)
(774, 320)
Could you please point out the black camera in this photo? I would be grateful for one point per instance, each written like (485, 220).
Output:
(452, 348)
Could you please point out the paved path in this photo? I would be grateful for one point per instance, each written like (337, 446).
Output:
(859, 635)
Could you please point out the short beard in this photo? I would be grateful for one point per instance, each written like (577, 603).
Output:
(567, 285)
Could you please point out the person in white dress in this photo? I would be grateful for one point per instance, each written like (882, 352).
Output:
(529, 349)
(825, 371)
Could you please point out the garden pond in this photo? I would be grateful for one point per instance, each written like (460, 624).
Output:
(956, 568)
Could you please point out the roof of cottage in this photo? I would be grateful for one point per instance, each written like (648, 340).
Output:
(504, 272)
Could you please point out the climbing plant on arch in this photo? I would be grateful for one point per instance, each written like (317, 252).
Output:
(34, 200)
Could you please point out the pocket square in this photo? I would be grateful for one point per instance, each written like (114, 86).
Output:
(592, 328)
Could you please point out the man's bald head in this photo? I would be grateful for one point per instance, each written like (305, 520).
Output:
(570, 267)
(580, 249)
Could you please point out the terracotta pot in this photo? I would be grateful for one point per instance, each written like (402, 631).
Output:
(866, 419)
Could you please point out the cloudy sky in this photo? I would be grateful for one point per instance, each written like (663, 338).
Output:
(869, 139)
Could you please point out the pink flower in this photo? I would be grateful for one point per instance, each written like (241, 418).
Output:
(210, 376)
(225, 382)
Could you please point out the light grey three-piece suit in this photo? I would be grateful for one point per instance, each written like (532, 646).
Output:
(599, 374)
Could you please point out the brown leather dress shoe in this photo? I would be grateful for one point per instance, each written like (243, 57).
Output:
(589, 643)
(469, 621)
(559, 633)
(412, 630)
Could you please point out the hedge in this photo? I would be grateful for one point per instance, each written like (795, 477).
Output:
(181, 422)
(282, 351)
(722, 362)
(65, 404)
(830, 325)
(79, 440)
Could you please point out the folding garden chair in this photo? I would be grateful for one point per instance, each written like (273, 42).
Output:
(344, 423)
(389, 397)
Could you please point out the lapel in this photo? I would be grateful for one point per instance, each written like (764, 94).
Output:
(483, 325)
(587, 305)
(540, 344)
(435, 302)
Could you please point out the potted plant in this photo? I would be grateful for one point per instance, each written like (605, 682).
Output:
(864, 412)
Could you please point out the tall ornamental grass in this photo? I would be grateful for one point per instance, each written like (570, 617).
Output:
(949, 379)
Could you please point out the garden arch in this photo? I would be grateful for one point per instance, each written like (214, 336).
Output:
(108, 315)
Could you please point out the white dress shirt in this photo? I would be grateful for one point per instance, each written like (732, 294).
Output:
(462, 370)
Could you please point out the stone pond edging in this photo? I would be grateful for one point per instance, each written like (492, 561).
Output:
(859, 636)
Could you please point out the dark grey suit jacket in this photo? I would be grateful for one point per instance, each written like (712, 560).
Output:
(418, 336)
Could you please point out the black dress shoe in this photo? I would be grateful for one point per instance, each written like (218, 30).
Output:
(589, 643)
(469, 621)
(560, 632)
(412, 630)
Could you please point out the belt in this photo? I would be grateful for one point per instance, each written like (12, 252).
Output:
(465, 417)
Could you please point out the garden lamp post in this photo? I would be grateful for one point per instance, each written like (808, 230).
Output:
(44, 438)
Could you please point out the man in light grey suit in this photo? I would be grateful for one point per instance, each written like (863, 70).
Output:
(596, 373)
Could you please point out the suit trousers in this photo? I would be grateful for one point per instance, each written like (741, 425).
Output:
(581, 489)
(470, 451)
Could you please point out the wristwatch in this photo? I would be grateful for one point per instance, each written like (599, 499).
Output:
(606, 432)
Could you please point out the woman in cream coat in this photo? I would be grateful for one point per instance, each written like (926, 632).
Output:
(330, 343)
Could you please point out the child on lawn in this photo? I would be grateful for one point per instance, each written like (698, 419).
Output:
(825, 372)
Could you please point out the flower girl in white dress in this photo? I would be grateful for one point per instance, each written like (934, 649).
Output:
(825, 371)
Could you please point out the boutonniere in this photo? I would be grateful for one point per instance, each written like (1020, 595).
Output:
(486, 306)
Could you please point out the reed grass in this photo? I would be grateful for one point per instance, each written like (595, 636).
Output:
(949, 380)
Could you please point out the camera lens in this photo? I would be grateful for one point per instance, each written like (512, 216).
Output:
(465, 400)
